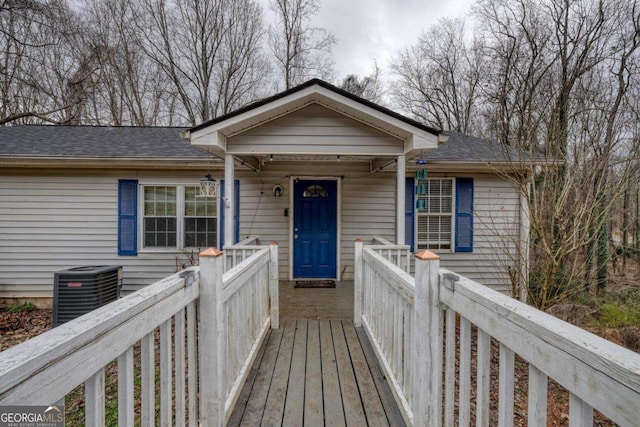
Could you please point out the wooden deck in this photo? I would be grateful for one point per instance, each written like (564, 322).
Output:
(316, 303)
(316, 373)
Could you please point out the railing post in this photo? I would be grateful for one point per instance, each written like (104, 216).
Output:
(274, 284)
(357, 284)
(427, 342)
(211, 336)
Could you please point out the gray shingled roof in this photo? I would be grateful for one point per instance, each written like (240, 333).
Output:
(96, 142)
(464, 148)
(164, 143)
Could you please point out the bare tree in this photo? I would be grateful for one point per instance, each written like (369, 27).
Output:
(35, 42)
(557, 80)
(300, 51)
(207, 50)
(368, 87)
(439, 77)
(129, 88)
(560, 72)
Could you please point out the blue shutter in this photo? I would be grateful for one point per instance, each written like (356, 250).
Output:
(236, 214)
(464, 215)
(409, 212)
(128, 217)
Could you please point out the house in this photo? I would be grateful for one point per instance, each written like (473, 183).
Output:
(312, 168)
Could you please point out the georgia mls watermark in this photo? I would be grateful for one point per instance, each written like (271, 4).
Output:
(32, 416)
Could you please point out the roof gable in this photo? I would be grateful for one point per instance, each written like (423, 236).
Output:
(411, 135)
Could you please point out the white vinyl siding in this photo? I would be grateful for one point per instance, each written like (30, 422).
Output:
(57, 220)
(315, 129)
(496, 234)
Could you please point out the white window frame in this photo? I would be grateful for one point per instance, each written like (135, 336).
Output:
(180, 217)
(417, 214)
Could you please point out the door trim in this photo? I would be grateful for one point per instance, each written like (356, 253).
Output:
(338, 180)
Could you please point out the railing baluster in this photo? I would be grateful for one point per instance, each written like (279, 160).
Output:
(450, 368)
(125, 388)
(397, 338)
(274, 285)
(506, 387)
(408, 328)
(483, 378)
(358, 285)
(537, 406)
(464, 382)
(147, 379)
(165, 374)
(580, 412)
(179, 368)
(94, 399)
(191, 362)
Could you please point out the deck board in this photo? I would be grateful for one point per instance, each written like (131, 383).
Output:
(316, 373)
(274, 408)
(332, 397)
(250, 413)
(313, 402)
(370, 399)
(294, 403)
(353, 410)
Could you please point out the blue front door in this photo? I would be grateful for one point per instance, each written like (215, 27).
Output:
(315, 229)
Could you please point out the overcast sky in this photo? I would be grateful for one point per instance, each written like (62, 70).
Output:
(369, 30)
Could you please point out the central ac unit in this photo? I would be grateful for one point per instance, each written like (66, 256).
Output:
(79, 290)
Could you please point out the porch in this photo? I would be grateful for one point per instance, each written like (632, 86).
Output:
(223, 356)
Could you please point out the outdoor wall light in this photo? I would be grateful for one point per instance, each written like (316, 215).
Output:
(277, 190)
(208, 186)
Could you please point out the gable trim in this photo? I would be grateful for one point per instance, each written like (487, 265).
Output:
(306, 85)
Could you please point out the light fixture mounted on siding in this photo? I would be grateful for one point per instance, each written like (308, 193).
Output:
(208, 186)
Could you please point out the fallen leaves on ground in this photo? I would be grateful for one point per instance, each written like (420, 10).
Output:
(17, 327)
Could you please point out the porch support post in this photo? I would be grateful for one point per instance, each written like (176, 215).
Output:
(400, 198)
(211, 339)
(229, 200)
(427, 342)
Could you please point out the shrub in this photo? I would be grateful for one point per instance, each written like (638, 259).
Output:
(616, 316)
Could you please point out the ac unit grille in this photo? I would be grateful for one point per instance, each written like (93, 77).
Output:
(80, 290)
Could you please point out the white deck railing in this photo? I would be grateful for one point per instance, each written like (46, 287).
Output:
(242, 250)
(412, 326)
(399, 255)
(232, 309)
(240, 305)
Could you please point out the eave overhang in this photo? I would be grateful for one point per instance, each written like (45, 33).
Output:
(49, 162)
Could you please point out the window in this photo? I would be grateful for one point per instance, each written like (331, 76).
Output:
(160, 219)
(200, 229)
(176, 217)
(315, 191)
(434, 212)
(439, 213)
